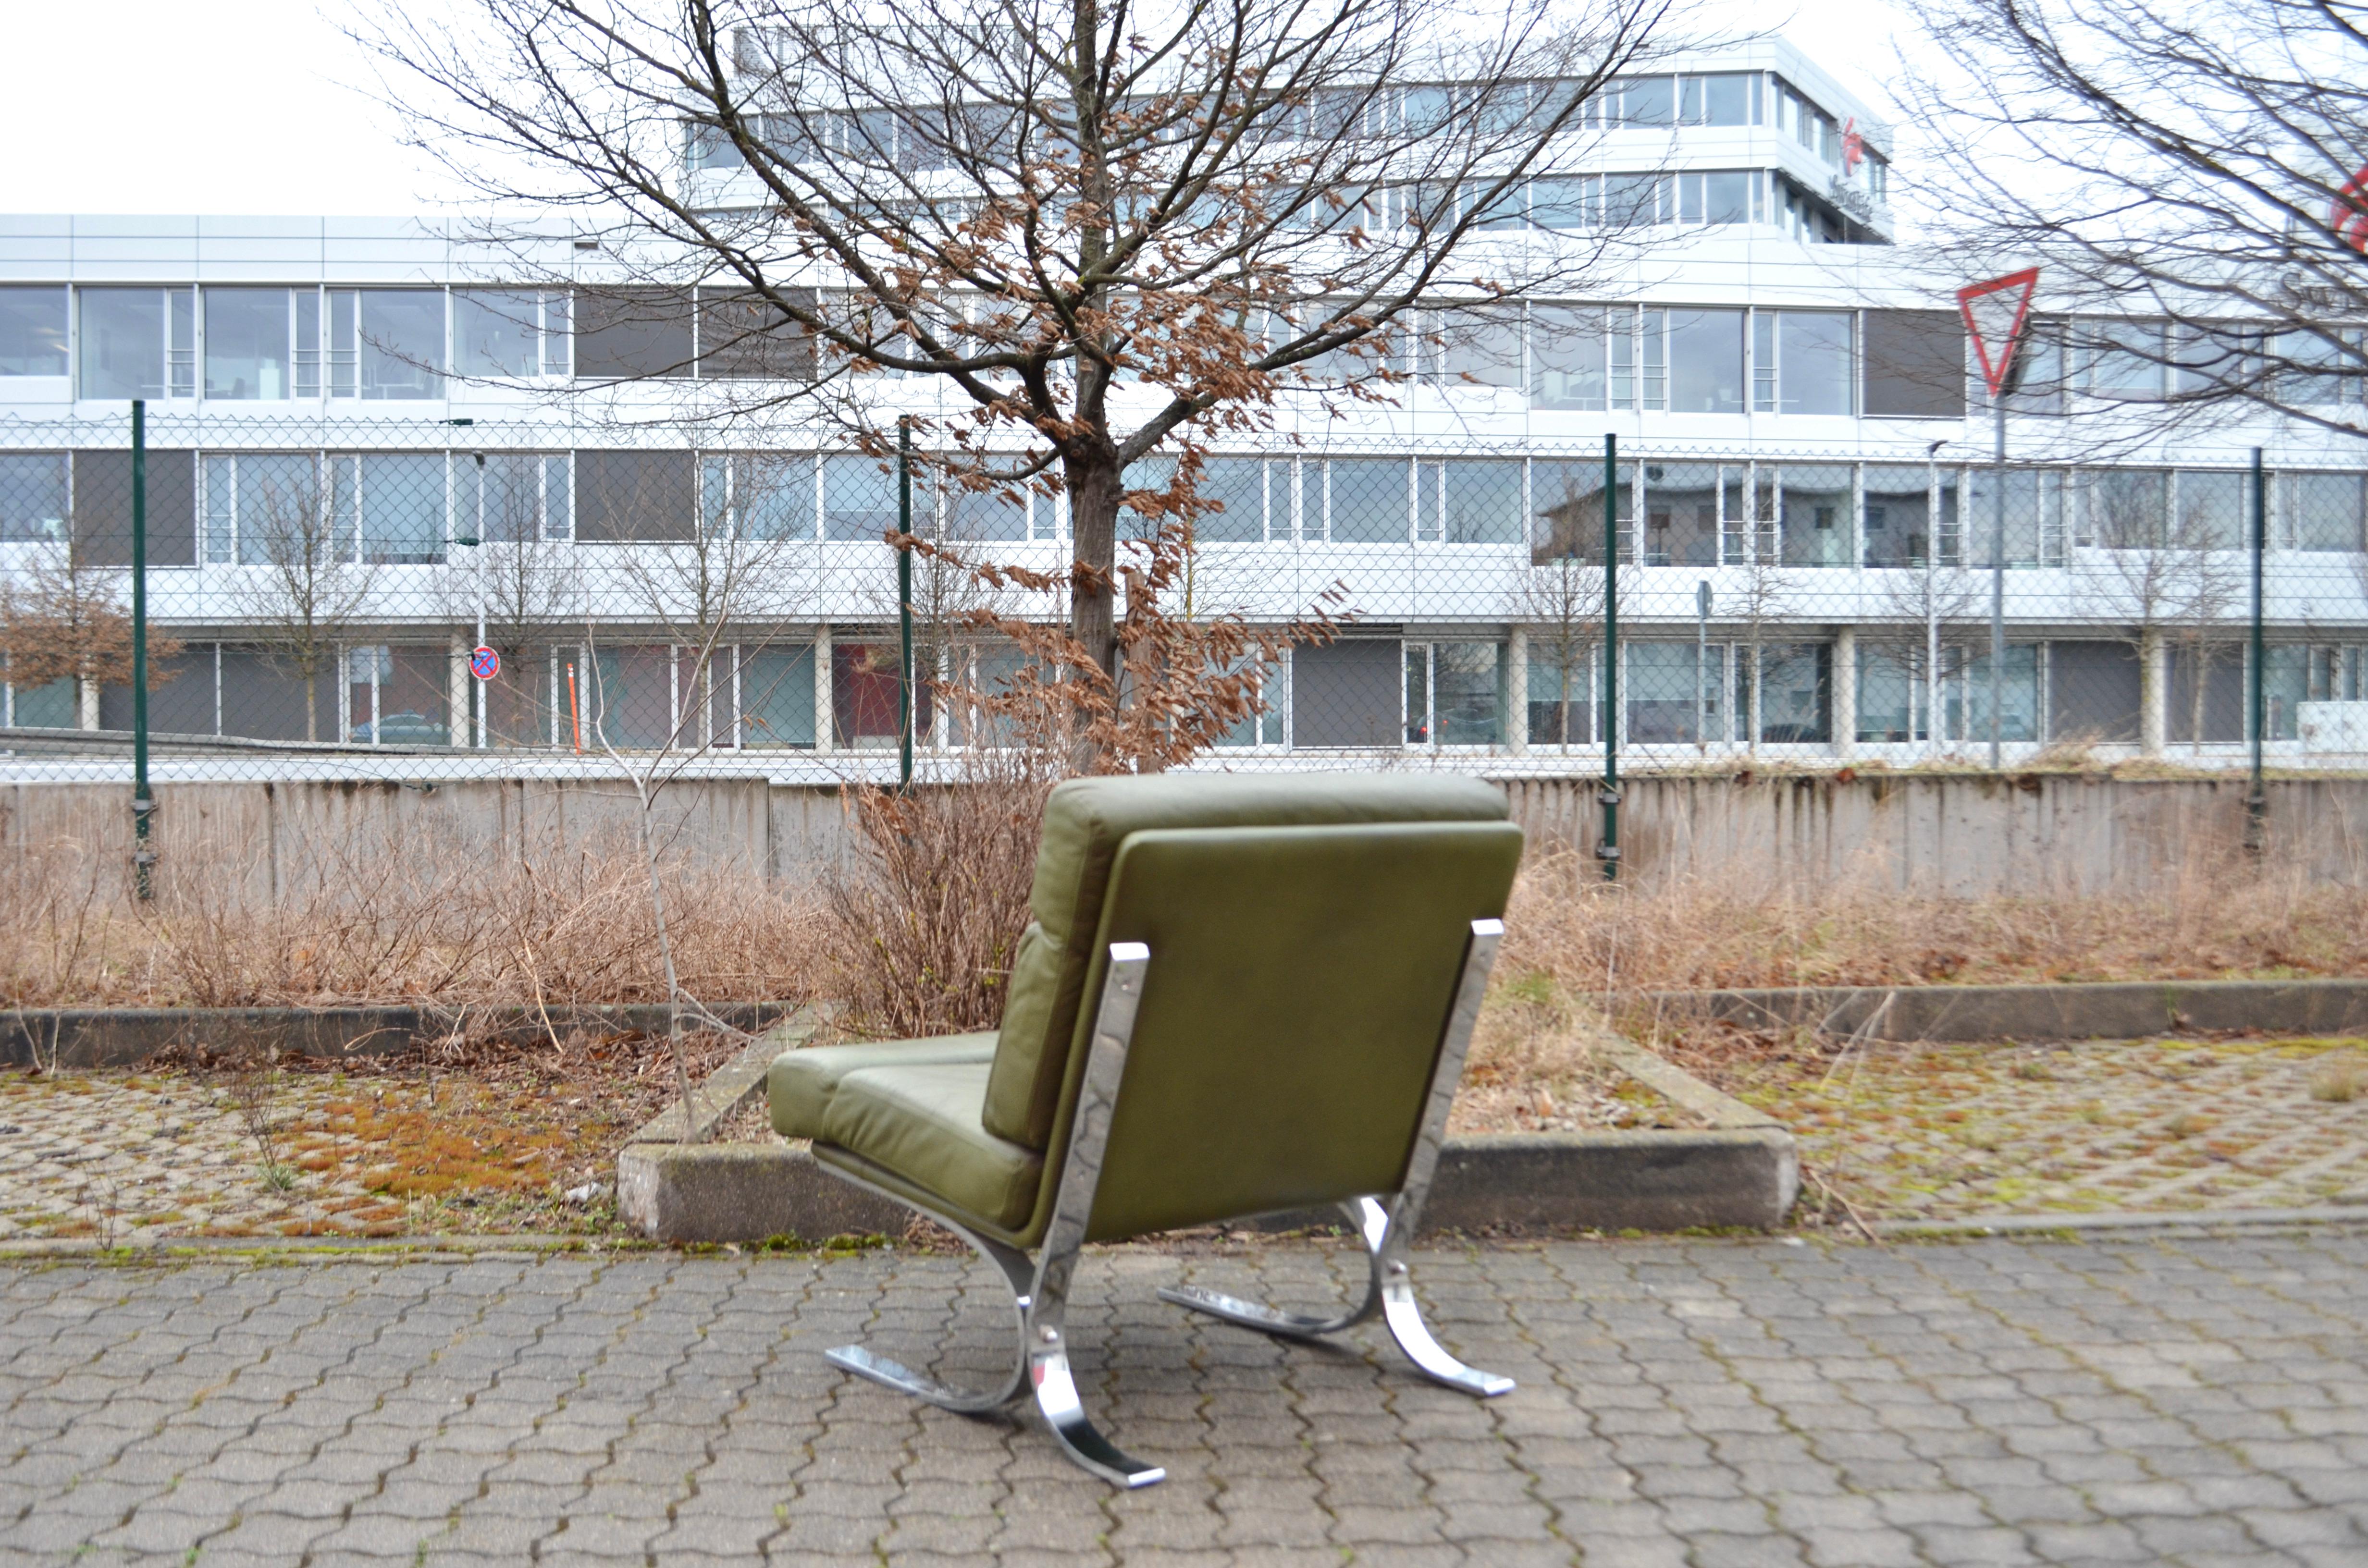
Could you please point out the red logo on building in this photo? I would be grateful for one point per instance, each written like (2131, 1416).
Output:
(2347, 214)
(1853, 147)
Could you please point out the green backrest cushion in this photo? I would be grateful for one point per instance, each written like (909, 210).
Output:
(1292, 1014)
(1084, 822)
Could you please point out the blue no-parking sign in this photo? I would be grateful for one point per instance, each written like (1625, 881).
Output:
(484, 663)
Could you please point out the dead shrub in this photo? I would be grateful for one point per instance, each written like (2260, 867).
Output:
(925, 923)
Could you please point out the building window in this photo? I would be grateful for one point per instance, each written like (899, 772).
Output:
(138, 342)
(1721, 195)
(1450, 693)
(251, 342)
(1348, 693)
(864, 707)
(2325, 365)
(2123, 360)
(858, 500)
(511, 497)
(1568, 202)
(2122, 508)
(1568, 358)
(1815, 510)
(1633, 201)
(33, 330)
(1801, 362)
(1727, 98)
(1640, 357)
(402, 508)
(2212, 510)
(745, 337)
(1784, 691)
(1567, 510)
(398, 696)
(757, 495)
(1681, 514)
(32, 496)
(945, 509)
(1672, 693)
(1480, 347)
(777, 695)
(626, 497)
(1705, 361)
(1562, 691)
(1237, 488)
(2322, 511)
(1469, 501)
(279, 509)
(1369, 500)
(2034, 514)
(510, 334)
(1898, 515)
(386, 345)
(633, 334)
(1914, 365)
(1644, 102)
(1894, 698)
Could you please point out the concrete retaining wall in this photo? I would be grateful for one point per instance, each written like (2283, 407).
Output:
(1953, 834)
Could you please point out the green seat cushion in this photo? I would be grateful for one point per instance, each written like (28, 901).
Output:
(1085, 821)
(921, 1123)
(801, 1083)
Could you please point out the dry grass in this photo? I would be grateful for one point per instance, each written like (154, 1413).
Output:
(2218, 922)
(2340, 1079)
(1531, 1068)
(393, 922)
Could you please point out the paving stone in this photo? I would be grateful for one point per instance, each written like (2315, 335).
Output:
(1701, 1402)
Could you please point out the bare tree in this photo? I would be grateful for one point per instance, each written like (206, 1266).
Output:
(66, 619)
(1758, 595)
(1921, 605)
(302, 585)
(2195, 171)
(1559, 599)
(1103, 231)
(2167, 575)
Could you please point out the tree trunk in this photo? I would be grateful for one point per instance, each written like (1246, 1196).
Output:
(1096, 488)
(313, 705)
(2153, 698)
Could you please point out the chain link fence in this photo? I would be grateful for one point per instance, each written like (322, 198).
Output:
(432, 598)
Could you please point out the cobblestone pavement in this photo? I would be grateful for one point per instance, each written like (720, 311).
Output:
(1939, 1132)
(2193, 1399)
(133, 1157)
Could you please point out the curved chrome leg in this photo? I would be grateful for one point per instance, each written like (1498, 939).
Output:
(1048, 1308)
(1404, 1314)
(1017, 1273)
(1391, 1294)
(1273, 1320)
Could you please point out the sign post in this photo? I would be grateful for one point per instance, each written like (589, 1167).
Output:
(1997, 313)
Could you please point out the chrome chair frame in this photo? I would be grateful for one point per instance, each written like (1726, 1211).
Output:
(1040, 1289)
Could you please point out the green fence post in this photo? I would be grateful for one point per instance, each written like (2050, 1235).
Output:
(144, 803)
(2256, 706)
(1608, 851)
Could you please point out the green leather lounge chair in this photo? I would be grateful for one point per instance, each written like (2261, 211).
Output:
(1239, 995)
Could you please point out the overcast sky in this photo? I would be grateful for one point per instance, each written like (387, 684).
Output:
(250, 106)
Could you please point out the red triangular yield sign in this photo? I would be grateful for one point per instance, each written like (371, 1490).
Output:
(1996, 313)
